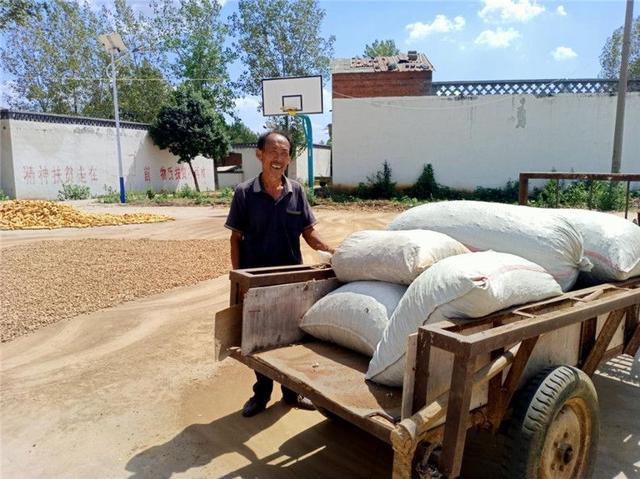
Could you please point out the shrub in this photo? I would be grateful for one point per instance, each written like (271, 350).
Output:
(611, 196)
(426, 188)
(311, 196)
(378, 186)
(506, 194)
(605, 196)
(3, 196)
(187, 192)
(226, 193)
(151, 194)
(74, 192)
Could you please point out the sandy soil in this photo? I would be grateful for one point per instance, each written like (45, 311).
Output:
(132, 391)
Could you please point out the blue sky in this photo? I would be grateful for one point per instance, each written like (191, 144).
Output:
(465, 40)
(471, 40)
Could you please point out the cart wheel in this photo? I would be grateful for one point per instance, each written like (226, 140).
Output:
(553, 431)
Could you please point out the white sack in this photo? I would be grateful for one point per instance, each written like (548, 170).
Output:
(465, 286)
(611, 243)
(532, 233)
(354, 315)
(393, 256)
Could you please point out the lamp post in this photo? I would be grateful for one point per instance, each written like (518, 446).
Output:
(112, 42)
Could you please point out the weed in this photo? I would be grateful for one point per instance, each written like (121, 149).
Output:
(74, 192)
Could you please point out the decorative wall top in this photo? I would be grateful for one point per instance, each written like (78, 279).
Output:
(68, 119)
(530, 87)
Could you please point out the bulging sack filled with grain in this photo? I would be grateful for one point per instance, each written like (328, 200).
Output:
(392, 256)
(611, 243)
(532, 233)
(354, 315)
(465, 286)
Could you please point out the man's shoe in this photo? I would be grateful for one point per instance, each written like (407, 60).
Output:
(298, 401)
(253, 406)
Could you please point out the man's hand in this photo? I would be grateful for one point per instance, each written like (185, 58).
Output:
(313, 239)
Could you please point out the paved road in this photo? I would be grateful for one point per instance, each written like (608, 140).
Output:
(133, 392)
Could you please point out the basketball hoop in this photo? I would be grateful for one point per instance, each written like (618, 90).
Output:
(295, 96)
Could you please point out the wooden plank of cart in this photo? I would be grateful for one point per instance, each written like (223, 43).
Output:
(459, 374)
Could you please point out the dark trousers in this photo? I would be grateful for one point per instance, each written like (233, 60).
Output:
(264, 386)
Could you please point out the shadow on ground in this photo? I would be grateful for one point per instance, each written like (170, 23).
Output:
(321, 451)
(618, 386)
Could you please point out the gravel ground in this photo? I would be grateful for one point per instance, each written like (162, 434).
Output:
(49, 281)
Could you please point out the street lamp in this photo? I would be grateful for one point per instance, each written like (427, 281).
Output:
(112, 43)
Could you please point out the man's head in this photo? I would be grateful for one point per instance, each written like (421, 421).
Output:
(273, 151)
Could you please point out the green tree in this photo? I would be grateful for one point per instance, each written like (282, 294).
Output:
(611, 55)
(141, 93)
(18, 11)
(190, 39)
(240, 133)
(58, 65)
(280, 38)
(381, 48)
(53, 58)
(142, 87)
(188, 127)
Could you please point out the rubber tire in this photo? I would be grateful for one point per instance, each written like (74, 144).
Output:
(534, 408)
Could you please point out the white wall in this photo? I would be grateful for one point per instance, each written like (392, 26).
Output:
(321, 165)
(251, 167)
(7, 184)
(229, 180)
(480, 141)
(45, 155)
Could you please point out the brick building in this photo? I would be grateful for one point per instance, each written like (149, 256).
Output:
(399, 75)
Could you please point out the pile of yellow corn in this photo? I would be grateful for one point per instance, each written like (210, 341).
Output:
(35, 214)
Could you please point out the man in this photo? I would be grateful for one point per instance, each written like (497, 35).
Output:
(268, 215)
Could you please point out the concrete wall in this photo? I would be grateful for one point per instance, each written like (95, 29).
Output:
(42, 155)
(251, 167)
(229, 180)
(480, 141)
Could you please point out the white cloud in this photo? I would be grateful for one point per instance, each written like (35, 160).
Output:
(561, 11)
(498, 38)
(247, 102)
(563, 53)
(505, 11)
(441, 24)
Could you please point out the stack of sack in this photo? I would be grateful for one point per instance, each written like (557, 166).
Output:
(546, 239)
(461, 259)
(611, 243)
(377, 266)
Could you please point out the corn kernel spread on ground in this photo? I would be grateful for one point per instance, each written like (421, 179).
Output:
(37, 214)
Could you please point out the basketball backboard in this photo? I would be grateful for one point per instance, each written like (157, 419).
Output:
(300, 94)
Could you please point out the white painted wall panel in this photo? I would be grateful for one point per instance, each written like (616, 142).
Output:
(481, 141)
(46, 155)
(252, 167)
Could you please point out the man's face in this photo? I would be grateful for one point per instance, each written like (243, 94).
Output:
(275, 156)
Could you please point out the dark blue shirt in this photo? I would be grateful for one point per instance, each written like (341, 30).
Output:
(270, 228)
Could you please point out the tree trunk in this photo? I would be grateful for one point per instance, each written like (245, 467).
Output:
(215, 176)
(195, 178)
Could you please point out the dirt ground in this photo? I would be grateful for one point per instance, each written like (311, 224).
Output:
(132, 391)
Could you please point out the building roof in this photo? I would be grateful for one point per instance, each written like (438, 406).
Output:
(410, 61)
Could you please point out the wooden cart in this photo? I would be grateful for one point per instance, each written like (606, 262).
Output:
(523, 372)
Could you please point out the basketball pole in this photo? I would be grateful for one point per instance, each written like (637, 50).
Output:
(308, 133)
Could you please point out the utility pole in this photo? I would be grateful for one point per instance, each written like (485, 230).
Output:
(112, 43)
(616, 159)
